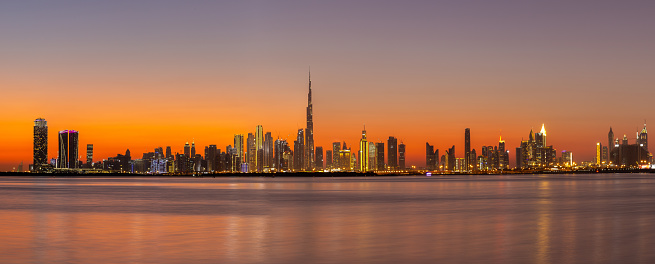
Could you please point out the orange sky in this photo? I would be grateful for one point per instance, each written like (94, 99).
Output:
(143, 76)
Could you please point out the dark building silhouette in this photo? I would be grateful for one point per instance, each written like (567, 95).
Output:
(298, 151)
(379, 147)
(401, 156)
(68, 149)
(450, 159)
(318, 164)
(392, 153)
(328, 159)
(467, 149)
(40, 150)
(430, 157)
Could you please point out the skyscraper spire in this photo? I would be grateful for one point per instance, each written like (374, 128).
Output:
(309, 130)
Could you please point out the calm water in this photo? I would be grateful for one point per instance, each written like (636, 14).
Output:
(603, 218)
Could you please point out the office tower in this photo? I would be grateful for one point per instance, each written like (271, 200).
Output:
(159, 152)
(379, 148)
(238, 147)
(519, 157)
(336, 147)
(318, 164)
(392, 153)
(605, 157)
(642, 138)
(211, 158)
(309, 131)
(187, 150)
(259, 147)
(268, 151)
(610, 140)
(467, 149)
(328, 159)
(450, 158)
(346, 160)
(40, 151)
(298, 151)
(169, 155)
(68, 149)
(363, 152)
(279, 151)
(89, 154)
(567, 158)
(372, 158)
(503, 159)
(401, 156)
(625, 140)
(251, 152)
(599, 154)
(193, 149)
(430, 157)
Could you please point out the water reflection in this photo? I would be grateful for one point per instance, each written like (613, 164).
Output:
(491, 219)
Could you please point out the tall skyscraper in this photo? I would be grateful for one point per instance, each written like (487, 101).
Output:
(193, 149)
(309, 131)
(259, 147)
(379, 147)
(169, 154)
(336, 147)
(268, 150)
(392, 153)
(40, 151)
(238, 146)
(599, 154)
(68, 149)
(467, 149)
(328, 159)
(642, 138)
(298, 151)
(450, 158)
(430, 158)
(251, 153)
(401, 156)
(319, 158)
(211, 157)
(187, 150)
(610, 140)
(372, 157)
(363, 152)
(89, 154)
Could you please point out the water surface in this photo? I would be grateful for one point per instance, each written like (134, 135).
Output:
(600, 218)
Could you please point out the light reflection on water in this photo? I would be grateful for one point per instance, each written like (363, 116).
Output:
(601, 218)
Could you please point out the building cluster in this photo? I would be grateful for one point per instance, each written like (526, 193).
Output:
(622, 154)
(259, 152)
(256, 152)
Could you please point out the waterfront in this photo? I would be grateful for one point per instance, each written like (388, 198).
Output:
(588, 218)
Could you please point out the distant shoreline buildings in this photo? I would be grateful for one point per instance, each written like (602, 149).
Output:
(260, 153)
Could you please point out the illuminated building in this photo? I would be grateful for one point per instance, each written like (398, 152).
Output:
(68, 149)
(40, 150)
(89, 155)
(259, 148)
(599, 153)
(567, 158)
(187, 150)
(467, 149)
(298, 151)
(251, 154)
(238, 147)
(363, 152)
(193, 149)
(281, 147)
(503, 159)
(346, 160)
(392, 153)
(336, 147)
(379, 147)
(430, 157)
(401, 156)
(319, 158)
(610, 141)
(642, 138)
(268, 151)
(372, 158)
(308, 159)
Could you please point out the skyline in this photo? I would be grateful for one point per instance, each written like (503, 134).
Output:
(148, 76)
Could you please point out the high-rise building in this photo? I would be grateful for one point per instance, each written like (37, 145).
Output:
(599, 154)
(392, 153)
(268, 151)
(298, 151)
(372, 157)
(467, 149)
(193, 149)
(318, 164)
(251, 153)
(211, 157)
(642, 138)
(309, 131)
(430, 158)
(610, 140)
(379, 147)
(259, 147)
(450, 159)
(281, 146)
(238, 147)
(363, 152)
(401, 156)
(187, 150)
(336, 147)
(169, 154)
(40, 151)
(328, 159)
(68, 149)
(89, 154)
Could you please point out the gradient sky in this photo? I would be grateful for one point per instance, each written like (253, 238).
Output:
(144, 74)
